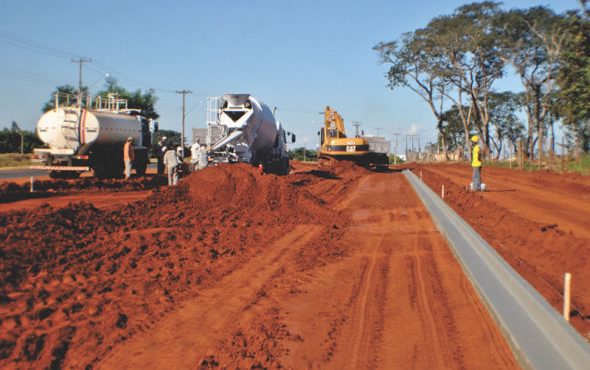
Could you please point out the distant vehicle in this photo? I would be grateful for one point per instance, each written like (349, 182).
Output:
(244, 129)
(82, 139)
(335, 145)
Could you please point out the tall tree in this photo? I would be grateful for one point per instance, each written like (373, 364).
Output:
(412, 65)
(531, 42)
(468, 45)
(573, 99)
(503, 108)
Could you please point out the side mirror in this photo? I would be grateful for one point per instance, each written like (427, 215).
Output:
(292, 138)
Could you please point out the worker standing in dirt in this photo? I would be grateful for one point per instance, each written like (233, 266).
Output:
(476, 164)
(171, 162)
(128, 156)
(159, 150)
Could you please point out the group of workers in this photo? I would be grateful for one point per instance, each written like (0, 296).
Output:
(168, 158)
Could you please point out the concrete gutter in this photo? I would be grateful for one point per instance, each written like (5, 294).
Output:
(540, 338)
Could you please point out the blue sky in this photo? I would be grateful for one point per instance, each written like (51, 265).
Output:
(296, 55)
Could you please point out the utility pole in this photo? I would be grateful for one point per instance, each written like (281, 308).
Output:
(183, 92)
(395, 134)
(81, 62)
(356, 125)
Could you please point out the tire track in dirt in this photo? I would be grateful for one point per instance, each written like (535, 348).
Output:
(187, 334)
(401, 311)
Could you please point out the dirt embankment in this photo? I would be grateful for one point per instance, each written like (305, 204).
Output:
(77, 281)
(538, 222)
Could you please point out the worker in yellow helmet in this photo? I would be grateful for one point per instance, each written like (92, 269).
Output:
(476, 164)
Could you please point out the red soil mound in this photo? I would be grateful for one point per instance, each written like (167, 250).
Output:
(76, 281)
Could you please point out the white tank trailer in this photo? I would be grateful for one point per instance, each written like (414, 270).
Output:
(82, 139)
(251, 134)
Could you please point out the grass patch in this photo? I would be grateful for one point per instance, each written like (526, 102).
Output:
(581, 166)
(15, 160)
(556, 165)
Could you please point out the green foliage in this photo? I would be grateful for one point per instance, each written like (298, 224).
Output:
(297, 154)
(15, 160)
(10, 141)
(172, 137)
(137, 99)
(66, 93)
(395, 159)
(582, 165)
(574, 77)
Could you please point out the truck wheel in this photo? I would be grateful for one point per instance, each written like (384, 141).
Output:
(285, 167)
(141, 161)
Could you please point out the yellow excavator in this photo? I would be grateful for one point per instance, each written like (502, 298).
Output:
(336, 146)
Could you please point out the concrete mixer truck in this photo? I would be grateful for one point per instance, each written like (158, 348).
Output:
(81, 139)
(247, 131)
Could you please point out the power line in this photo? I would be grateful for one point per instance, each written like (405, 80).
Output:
(40, 48)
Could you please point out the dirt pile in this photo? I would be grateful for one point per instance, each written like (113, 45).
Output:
(76, 281)
(539, 252)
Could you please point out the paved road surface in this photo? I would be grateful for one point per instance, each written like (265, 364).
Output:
(20, 173)
(24, 172)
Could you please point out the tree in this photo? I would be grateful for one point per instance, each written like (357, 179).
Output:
(412, 65)
(503, 107)
(297, 154)
(67, 94)
(531, 42)
(467, 42)
(145, 101)
(10, 141)
(573, 98)
(454, 133)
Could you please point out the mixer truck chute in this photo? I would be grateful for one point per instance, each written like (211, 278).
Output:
(81, 139)
(249, 133)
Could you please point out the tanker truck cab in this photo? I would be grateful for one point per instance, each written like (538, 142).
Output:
(81, 139)
(249, 133)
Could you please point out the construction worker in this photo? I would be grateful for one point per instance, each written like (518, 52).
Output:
(476, 164)
(159, 151)
(128, 156)
(171, 162)
(199, 156)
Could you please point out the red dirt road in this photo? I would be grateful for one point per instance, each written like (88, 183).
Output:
(377, 289)
(313, 270)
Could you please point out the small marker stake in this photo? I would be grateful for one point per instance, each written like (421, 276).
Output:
(32, 182)
(420, 175)
(566, 296)
(442, 192)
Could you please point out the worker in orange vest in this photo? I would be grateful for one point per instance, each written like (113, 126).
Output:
(476, 164)
(128, 156)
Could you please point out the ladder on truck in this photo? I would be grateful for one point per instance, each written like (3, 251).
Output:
(71, 127)
(215, 131)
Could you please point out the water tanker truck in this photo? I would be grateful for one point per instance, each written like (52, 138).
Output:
(81, 139)
(248, 132)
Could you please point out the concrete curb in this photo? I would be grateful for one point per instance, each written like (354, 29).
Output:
(539, 336)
